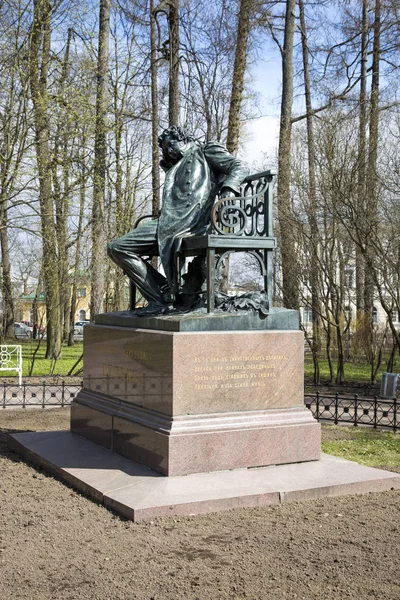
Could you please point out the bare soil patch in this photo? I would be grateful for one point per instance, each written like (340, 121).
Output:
(57, 544)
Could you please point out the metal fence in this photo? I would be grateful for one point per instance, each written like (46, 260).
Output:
(352, 410)
(37, 394)
(355, 410)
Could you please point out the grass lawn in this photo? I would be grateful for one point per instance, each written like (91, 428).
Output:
(43, 367)
(367, 446)
(353, 372)
(359, 372)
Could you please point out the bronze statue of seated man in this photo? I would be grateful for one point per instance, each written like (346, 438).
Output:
(195, 174)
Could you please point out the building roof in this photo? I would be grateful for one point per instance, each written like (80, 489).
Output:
(32, 297)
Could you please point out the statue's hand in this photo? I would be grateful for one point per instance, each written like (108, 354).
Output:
(226, 192)
(167, 293)
(165, 165)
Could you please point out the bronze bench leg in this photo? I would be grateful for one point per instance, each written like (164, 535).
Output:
(132, 298)
(210, 280)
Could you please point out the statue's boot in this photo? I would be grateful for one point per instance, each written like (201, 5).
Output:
(154, 309)
(191, 295)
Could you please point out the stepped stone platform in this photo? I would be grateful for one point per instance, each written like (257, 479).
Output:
(194, 402)
(138, 493)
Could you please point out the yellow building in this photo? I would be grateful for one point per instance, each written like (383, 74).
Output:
(24, 308)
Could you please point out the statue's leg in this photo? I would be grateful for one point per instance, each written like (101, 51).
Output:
(191, 292)
(127, 253)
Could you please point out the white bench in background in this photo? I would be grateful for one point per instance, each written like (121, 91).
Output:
(389, 385)
(11, 359)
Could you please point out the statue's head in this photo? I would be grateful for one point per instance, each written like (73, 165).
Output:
(172, 141)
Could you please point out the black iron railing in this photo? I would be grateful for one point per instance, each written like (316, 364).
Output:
(355, 410)
(38, 394)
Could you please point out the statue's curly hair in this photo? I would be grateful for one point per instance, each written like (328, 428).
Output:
(178, 133)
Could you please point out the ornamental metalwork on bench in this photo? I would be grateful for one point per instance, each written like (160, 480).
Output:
(238, 224)
(249, 214)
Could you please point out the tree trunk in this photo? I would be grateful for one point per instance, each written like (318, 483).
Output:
(286, 222)
(99, 181)
(328, 351)
(61, 193)
(14, 127)
(74, 291)
(312, 194)
(7, 329)
(362, 143)
(38, 73)
(339, 311)
(371, 188)
(173, 23)
(119, 279)
(36, 334)
(155, 167)
(239, 69)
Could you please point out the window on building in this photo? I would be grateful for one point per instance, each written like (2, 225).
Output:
(349, 278)
(307, 314)
(375, 315)
(82, 315)
(347, 312)
(82, 292)
(395, 316)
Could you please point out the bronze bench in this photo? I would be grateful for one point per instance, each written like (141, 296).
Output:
(237, 224)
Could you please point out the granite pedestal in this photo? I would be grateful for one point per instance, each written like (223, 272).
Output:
(202, 407)
(184, 402)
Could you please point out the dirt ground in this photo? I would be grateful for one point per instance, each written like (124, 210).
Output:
(57, 544)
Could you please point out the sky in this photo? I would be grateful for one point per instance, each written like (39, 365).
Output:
(262, 133)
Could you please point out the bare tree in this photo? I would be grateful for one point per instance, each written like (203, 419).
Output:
(362, 154)
(239, 69)
(312, 195)
(208, 39)
(99, 175)
(173, 23)
(170, 51)
(371, 188)
(155, 169)
(39, 58)
(13, 147)
(290, 271)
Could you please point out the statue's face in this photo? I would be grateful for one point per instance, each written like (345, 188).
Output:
(172, 148)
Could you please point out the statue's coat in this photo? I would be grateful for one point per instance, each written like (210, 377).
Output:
(190, 188)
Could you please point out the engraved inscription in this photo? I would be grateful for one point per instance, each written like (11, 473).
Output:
(237, 371)
(122, 373)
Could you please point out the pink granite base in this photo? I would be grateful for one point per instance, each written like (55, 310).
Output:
(183, 403)
(138, 493)
(198, 443)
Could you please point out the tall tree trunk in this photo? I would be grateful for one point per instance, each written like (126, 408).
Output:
(173, 24)
(99, 182)
(286, 224)
(119, 279)
(239, 69)
(312, 194)
(362, 143)
(7, 325)
(155, 153)
(82, 198)
(37, 323)
(339, 312)
(372, 187)
(61, 192)
(38, 74)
